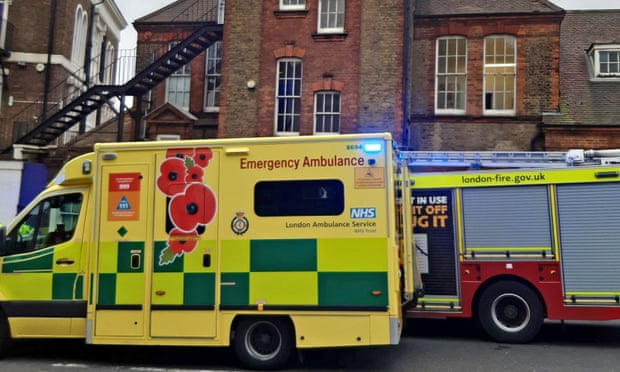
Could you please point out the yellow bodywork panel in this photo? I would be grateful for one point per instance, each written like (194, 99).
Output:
(171, 323)
(344, 330)
(119, 323)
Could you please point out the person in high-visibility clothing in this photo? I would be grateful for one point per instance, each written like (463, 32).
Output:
(25, 230)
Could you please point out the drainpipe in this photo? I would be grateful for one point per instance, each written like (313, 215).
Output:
(50, 50)
(88, 57)
(407, 26)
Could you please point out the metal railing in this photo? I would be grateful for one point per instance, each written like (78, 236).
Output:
(112, 68)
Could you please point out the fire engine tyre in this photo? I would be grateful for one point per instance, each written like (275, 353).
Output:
(263, 343)
(510, 312)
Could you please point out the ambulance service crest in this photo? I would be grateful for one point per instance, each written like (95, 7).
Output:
(239, 224)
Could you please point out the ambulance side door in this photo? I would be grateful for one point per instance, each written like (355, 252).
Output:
(125, 212)
(185, 249)
(42, 269)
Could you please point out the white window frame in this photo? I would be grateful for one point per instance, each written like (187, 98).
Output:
(110, 62)
(182, 75)
(327, 112)
(213, 71)
(595, 54)
(288, 97)
(168, 137)
(80, 28)
(221, 11)
(331, 12)
(504, 82)
(451, 75)
(292, 5)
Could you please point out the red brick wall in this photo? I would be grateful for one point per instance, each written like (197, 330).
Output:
(561, 139)
(152, 43)
(381, 78)
(337, 56)
(240, 64)
(537, 83)
(365, 65)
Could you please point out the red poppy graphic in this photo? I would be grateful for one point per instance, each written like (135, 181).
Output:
(196, 206)
(180, 242)
(202, 156)
(191, 203)
(180, 153)
(194, 174)
(171, 178)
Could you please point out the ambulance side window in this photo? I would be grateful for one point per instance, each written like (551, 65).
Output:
(50, 222)
(299, 198)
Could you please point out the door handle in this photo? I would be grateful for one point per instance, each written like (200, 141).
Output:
(65, 261)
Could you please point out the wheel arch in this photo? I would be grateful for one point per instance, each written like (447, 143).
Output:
(237, 319)
(505, 278)
(263, 342)
(4, 319)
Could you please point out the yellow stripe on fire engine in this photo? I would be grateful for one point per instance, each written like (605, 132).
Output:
(509, 177)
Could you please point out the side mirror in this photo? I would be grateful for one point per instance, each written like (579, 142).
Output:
(3, 249)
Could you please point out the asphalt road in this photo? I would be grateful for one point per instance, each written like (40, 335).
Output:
(427, 345)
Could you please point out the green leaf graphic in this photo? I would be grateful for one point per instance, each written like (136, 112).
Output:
(189, 162)
(166, 257)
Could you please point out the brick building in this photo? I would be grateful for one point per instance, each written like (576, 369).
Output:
(186, 104)
(482, 73)
(589, 109)
(439, 75)
(287, 67)
(51, 47)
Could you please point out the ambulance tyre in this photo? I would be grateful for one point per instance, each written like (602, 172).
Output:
(5, 336)
(510, 312)
(263, 343)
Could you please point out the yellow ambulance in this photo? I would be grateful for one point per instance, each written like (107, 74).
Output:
(265, 244)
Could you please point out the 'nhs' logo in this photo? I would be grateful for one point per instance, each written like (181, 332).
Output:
(363, 212)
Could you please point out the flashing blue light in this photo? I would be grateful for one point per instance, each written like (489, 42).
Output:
(373, 148)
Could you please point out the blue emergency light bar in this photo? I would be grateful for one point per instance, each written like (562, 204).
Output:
(372, 148)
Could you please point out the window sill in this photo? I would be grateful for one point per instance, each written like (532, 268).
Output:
(450, 113)
(286, 134)
(329, 37)
(605, 79)
(499, 114)
(288, 14)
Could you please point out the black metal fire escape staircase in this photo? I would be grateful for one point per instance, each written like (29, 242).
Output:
(95, 97)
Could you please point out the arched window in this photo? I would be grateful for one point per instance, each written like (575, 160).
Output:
(80, 28)
(110, 64)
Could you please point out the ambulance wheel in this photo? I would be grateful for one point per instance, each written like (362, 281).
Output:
(510, 312)
(263, 343)
(5, 336)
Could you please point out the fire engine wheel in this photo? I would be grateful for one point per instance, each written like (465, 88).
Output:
(510, 312)
(263, 343)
